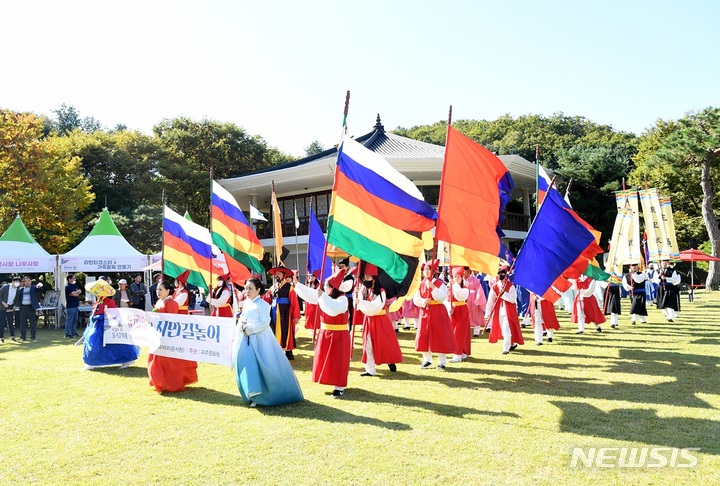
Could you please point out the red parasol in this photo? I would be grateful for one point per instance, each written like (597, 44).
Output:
(692, 255)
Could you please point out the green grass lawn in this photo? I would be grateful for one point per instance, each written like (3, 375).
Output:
(491, 420)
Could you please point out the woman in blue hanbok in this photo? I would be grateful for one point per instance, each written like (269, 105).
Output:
(95, 353)
(263, 373)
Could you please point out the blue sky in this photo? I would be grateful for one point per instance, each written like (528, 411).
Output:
(280, 69)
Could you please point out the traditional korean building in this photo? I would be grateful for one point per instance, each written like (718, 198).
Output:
(307, 182)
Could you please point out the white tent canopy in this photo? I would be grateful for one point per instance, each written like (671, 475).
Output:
(20, 253)
(103, 250)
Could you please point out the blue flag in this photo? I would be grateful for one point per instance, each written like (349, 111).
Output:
(316, 249)
(555, 240)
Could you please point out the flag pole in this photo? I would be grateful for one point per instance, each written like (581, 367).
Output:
(274, 213)
(567, 191)
(332, 201)
(296, 223)
(447, 137)
(162, 251)
(512, 266)
(210, 287)
(537, 177)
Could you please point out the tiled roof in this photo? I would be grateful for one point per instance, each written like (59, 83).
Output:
(388, 145)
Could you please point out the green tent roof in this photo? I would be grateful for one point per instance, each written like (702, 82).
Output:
(105, 226)
(17, 232)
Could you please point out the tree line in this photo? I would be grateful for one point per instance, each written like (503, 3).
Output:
(61, 171)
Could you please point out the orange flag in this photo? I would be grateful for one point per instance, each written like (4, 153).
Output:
(474, 189)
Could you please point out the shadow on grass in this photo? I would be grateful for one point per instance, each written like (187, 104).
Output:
(639, 425)
(689, 375)
(133, 371)
(317, 411)
(433, 407)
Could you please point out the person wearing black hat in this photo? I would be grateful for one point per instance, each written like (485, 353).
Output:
(668, 297)
(285, 310)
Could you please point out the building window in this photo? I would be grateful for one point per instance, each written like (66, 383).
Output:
(431, 194)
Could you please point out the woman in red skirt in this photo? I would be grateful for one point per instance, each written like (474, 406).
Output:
(169, 374)
(380, 343)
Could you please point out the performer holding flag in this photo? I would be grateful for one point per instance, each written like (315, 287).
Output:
(501, 313)
(380, 343)
(434, 329)
(585, 306)
(331, 363)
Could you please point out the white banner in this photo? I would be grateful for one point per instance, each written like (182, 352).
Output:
(669, 222)
(189, 337)
(102, 264)
(628, 200)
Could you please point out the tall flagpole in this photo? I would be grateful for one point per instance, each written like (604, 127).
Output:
(447, 137)
(210, 287)
(296, 223)
(324, 258)
(274, 213)
(537, 178)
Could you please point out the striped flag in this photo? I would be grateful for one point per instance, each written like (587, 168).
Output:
(186, 246)
(543, 183)
(232, 233)
(378, 215)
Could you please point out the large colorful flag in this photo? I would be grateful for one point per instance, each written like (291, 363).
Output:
(378, 215)
(543, 183)
(316, 249)
(186, 246)
(232, 233)
(474, 190)
(558, 244)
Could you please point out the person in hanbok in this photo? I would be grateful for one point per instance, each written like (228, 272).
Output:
(435, 334)
(380, 343)
(95, 353)
(169, 374)
(311, 309)
(181, 295)
(285, 312)
(651, 287)
(585, 306)
(262, 371)
(634, 283)
(476, 301)
(395, 316)
(668, 296)
(501, 313)
(222, 300)
(544, 318)
(460, 314)
(331, 362)
(410, 311)
(611, 303)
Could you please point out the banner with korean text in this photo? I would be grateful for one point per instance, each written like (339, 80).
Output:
(194, 338)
